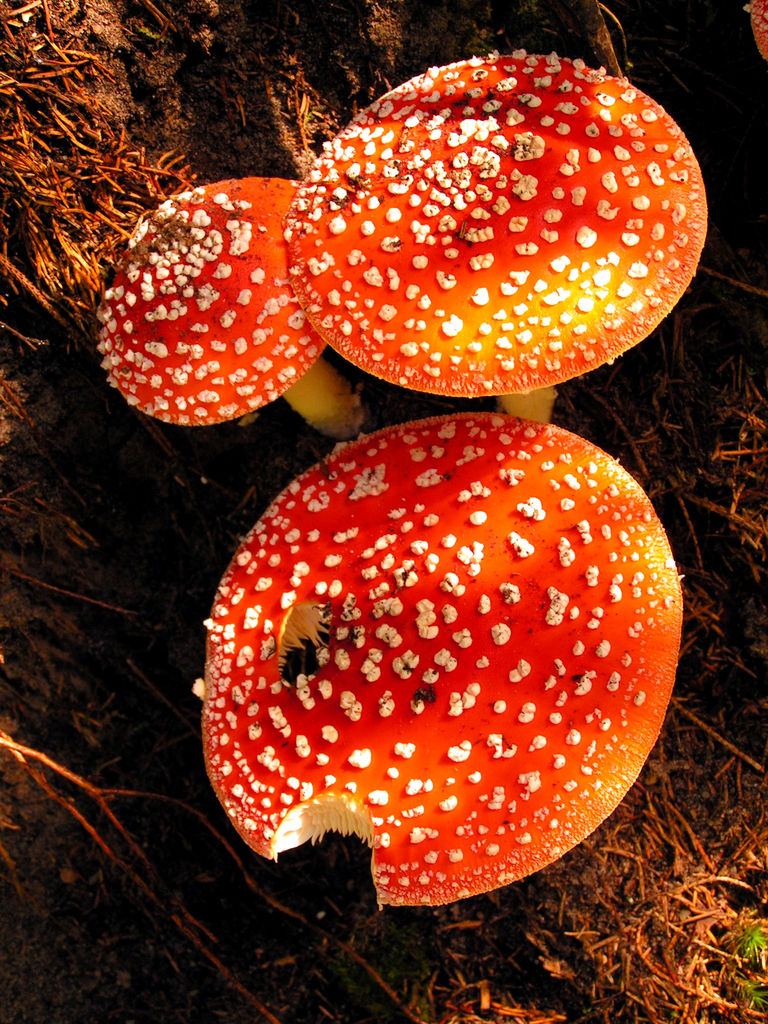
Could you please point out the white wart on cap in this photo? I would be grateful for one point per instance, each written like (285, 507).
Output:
(495, 616)
(497, 225)
(201, 324)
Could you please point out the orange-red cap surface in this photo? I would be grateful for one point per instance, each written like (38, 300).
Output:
(200, 323)
(758, 12)
(497, 225)
(504, 624)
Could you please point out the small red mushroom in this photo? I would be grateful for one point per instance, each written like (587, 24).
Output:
(200, 324)
(488, 616)
(758, 12)
(497, 226)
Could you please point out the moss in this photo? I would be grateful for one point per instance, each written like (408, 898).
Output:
(396, 950)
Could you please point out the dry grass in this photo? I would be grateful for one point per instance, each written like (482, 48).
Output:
(72, 187)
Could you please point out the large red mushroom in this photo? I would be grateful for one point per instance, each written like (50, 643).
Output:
(200, 324)
(487, 618)
(497, 226)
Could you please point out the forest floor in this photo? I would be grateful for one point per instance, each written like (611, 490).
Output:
(124, 894)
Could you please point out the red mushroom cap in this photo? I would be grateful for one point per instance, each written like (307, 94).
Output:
(201, 324)
(497, 225)
(758, 12)
(503, 621)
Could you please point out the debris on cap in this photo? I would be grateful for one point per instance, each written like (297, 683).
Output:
(201, 324)
(497, 225)
(487, 616)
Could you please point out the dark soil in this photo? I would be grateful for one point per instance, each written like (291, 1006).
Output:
(121, 898)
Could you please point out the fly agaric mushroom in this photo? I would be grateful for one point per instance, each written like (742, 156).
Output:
(494, 616)
(201, 325)
(497, 226)
(758, 13)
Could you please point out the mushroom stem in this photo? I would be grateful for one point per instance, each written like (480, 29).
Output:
(531, 405)
(327, 401)
(589, 14)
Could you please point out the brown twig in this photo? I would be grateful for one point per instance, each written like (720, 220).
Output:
(751, 288)
(4, 567)
(716, 736)
(8, 268)
(11, 865)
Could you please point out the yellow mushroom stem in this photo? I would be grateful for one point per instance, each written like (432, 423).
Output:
(327, 401)
(532, 405)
